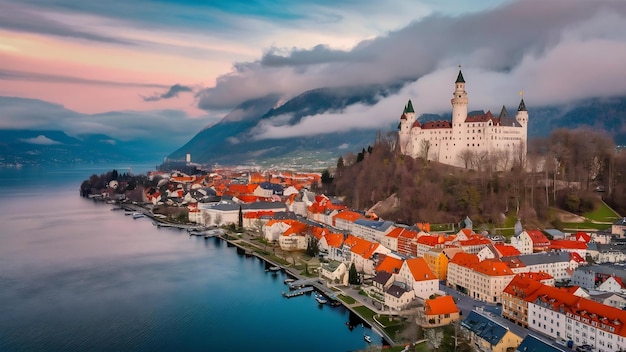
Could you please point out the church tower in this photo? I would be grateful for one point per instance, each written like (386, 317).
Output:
(522, 114)
(459, 102)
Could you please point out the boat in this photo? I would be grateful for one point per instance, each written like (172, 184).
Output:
(138, 215)
(288, 281)
(367, 338)
(320, 299)
(273, 268)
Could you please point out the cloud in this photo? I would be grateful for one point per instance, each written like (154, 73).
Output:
(500, 41)
(170, 126)
(17, 75)
(172, 92)
(40, 140)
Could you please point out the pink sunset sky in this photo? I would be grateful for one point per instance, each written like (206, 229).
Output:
(203, 59)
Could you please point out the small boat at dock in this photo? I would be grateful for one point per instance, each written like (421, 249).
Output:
(320, 299)
(367, 338)
(273, 268)
(288, 281)
(138, 215)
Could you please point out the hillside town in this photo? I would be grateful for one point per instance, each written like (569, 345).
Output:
(540, 289)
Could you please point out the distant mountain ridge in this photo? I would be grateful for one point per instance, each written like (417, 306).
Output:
(231, 141)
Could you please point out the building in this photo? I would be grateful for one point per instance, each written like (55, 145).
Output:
(530, 241)
(489, 335)
(440, 311)
(482, 281)
(468, 138)
(416, 274)
(514, 305)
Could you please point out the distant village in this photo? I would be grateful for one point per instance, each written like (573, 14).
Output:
(543, 289)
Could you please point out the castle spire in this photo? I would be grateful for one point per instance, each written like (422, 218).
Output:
(409, 107)
(459, 78)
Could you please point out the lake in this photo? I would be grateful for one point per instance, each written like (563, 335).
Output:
(75, 276)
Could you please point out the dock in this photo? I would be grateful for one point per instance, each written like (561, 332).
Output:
(298, 292)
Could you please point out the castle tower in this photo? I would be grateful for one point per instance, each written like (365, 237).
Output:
(522, 113)
(459, 102)
(406, 121)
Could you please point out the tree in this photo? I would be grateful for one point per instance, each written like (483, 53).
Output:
(434, 337)
(326, 177)
(218, 219)
(206, 216)
(240, 223)
(353, 276)
(312, 246)
(340, 163)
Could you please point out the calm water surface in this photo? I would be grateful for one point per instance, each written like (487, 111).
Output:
(75, 276)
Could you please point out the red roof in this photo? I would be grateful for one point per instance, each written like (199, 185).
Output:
(506, 250)
(538, 238)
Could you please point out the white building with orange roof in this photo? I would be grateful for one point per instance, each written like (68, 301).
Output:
(391, 239)
(417, 275)
(389, 263)
(530, 241)
(483, 281)
(563, 315)
(295, 238)
(333, 244)
(345, 220)
(579, 247)
(514, 305)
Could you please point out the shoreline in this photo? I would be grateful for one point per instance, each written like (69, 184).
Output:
(253, 249)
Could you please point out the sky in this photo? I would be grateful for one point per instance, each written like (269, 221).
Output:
(92, 66)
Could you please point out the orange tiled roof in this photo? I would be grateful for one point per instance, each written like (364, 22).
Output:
(602, 316)
(506, 250)
(334, 240)
(567, 244)
(395, 232)
(348, 215)
(464, 259)
(492, 267)
(538, 238)
(522, 286)
(440, 305)
(419, 269)
(389, 264)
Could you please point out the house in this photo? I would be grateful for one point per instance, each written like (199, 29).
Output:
(612, 284)
(592, 275)
(617, 300)
(295, 237)
(440, 311)
(578, 247)
(530, 241)
(416, 274)
(371, 230)
(228, 213)
(618, 228)
(407, 243)
(328, 242)
(560, 314)
(483, 281)
(438, 259)
(514, 306)
(335, 272)
(380, 283)
(534, 344)
(607, 253)
(389, 264)
(505, 250)
(398, 296)
(345, 220)
(560, 265)
(391, 239)
(489, 335)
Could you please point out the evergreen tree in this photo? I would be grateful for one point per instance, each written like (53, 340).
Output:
(340, 163)
(326, 178)
(240, 218)
(353, 276)
(312, 248)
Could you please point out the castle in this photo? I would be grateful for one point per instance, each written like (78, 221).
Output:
(474, 141)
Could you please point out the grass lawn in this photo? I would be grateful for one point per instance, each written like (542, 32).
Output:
(584, 225)
(365, 312)
(422, 347)
(347, 299)
(603, 214)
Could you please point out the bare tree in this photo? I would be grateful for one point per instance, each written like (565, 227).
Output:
(466, 156)
(434, 337)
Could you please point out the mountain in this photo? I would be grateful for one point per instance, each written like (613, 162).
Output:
(234, 139)
(56, 147)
